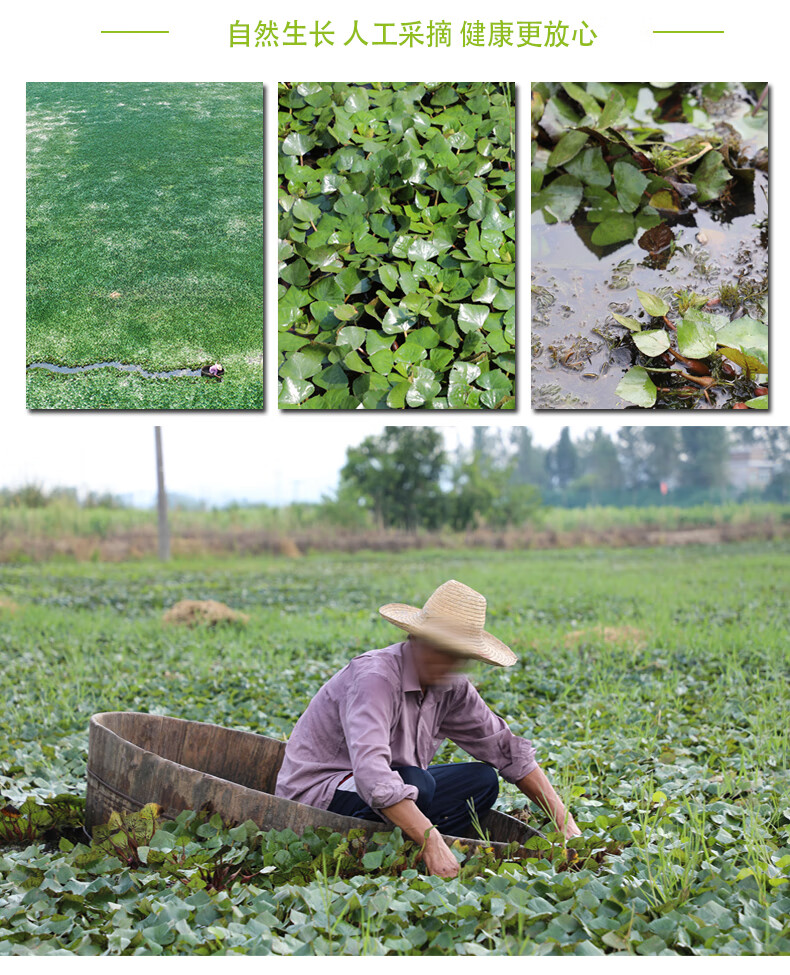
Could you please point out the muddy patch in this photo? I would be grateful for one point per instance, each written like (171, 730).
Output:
(122, 367)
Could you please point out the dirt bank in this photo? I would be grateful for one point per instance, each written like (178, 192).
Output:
(140, 544)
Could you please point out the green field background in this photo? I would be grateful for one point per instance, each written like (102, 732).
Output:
(153, 191)
(652, 682)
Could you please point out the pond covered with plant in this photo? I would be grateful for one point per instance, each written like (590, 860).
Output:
(653, 683)
(650, 245)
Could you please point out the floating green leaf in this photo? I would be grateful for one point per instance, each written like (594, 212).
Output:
(398, 319)
(696, 337)
(344, 313)
(630, 323)
(590, 168)
(652, 342)
(297, 143)
(653, 304)
(295, 391)
(612, 110)
(561, 198)
(757, 403)
(711, 177)
(746, 334)
(567, 147)
(472, 316)
(630, 184)
(637, 387)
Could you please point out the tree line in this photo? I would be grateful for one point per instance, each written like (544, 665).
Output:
(407, 477)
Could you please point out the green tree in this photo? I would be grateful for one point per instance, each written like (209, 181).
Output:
(598, 462)
(633, 452)
(397, 475)
(530, 460)
(562, 460)
(663, 454)
(485, 492)
(487, 443)
(703, 462)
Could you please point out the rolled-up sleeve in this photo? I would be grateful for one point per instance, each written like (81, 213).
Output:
(470, 723)
(366, 715)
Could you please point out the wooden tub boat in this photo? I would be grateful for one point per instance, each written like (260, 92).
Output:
(136, 758)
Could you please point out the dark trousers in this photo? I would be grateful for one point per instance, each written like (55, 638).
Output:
(444, 794)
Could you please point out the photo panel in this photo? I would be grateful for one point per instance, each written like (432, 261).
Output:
(145, 246)
(649, 245)
(397, 275)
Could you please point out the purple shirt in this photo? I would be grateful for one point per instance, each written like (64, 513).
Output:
(372, 715)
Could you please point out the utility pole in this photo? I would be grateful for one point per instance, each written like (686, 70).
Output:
(161, 499)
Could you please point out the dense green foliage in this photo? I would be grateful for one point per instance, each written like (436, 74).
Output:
(396, 252)
(666, 732)
(401, 476)
(616, 158)
(144, 233)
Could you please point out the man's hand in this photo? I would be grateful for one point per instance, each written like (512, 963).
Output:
(435, 853)
(438, 857)
(537, 787)
(571, 829)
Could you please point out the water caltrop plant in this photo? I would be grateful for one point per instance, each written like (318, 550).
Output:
(397, 245)
(710, 351)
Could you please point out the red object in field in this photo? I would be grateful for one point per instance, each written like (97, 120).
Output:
(664, 488)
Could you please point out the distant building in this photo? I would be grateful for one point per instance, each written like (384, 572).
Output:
(750, 467)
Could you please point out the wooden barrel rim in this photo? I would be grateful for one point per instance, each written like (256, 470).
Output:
(302, 814)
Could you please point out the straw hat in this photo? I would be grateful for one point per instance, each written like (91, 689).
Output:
(453, 618)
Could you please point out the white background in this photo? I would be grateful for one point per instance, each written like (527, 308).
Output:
(56, 42)
(61, 42)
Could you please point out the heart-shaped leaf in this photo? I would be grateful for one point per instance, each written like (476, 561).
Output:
(652, 342)
(297, 143)
(653, 304)
(745, 334)
(567, 147)
(398, 319)
(696, 337)
(614, 230)
(637, 387)
(630, 184)
(472, 316)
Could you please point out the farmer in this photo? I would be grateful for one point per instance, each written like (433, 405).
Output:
(364, 744)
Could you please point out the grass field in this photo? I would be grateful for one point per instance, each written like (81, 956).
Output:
(653, 684)
(145, 239)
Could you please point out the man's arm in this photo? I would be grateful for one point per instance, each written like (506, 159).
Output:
(537, 787)
(365, 716)
(436, 854)
(470, 723)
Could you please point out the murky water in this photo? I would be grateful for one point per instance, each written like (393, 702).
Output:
(123, 366)
(579, 353)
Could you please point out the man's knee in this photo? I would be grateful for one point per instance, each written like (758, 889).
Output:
(425, 782)
(487, 780)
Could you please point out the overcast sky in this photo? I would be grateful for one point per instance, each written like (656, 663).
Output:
(275, 459)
